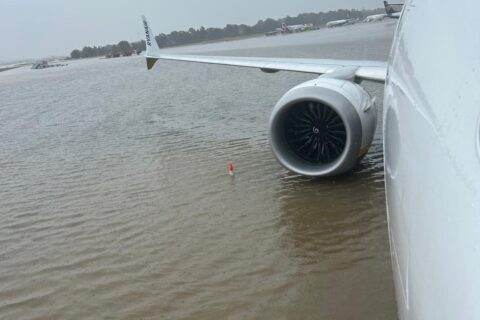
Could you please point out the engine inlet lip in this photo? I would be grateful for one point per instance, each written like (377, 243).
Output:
(291, 161)
(332, 94)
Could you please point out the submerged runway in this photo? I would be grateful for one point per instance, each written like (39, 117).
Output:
(115, 201)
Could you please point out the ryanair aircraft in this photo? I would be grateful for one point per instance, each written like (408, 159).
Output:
(431, 118)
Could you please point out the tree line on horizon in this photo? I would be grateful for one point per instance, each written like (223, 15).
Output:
(178, 38)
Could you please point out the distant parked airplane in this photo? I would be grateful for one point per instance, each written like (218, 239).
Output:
(375, 17)
(293, 28)
(339, 23)
(392, 10)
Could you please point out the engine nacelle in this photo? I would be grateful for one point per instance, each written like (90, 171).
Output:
(322, 127)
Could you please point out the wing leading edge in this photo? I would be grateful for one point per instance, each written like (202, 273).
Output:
(361, 70)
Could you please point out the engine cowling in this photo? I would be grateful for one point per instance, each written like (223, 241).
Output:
(322, 127)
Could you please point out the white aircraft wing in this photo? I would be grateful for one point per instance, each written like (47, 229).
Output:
(359, 69)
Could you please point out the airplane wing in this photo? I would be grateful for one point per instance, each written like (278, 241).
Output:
(360, 69)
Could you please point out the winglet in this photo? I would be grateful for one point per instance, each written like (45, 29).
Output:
(153, 52)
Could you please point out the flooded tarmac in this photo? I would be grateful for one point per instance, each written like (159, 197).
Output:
(115, 201)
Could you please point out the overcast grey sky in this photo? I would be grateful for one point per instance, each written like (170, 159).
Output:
(40, 28)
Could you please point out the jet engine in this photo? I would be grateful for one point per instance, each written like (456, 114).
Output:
(322, 127)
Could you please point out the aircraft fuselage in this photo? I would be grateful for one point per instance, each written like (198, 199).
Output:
(432, 161)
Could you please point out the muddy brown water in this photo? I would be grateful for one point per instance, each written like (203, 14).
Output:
(115, 202)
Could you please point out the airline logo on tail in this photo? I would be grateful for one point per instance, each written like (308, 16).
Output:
(147, 32)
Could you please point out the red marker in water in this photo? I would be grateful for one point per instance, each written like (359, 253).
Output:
(230, 169)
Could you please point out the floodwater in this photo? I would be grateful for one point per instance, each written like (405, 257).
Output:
(115, 202)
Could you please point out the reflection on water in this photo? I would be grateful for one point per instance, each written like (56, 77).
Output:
(116, 203)
(333, 230)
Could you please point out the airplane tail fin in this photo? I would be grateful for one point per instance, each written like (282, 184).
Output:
(390, 7)
(153, 51)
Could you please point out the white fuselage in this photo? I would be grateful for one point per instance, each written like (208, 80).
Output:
(337, 23)
(375, 17)
(296, 28)
(432, 160)
(394, 15)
